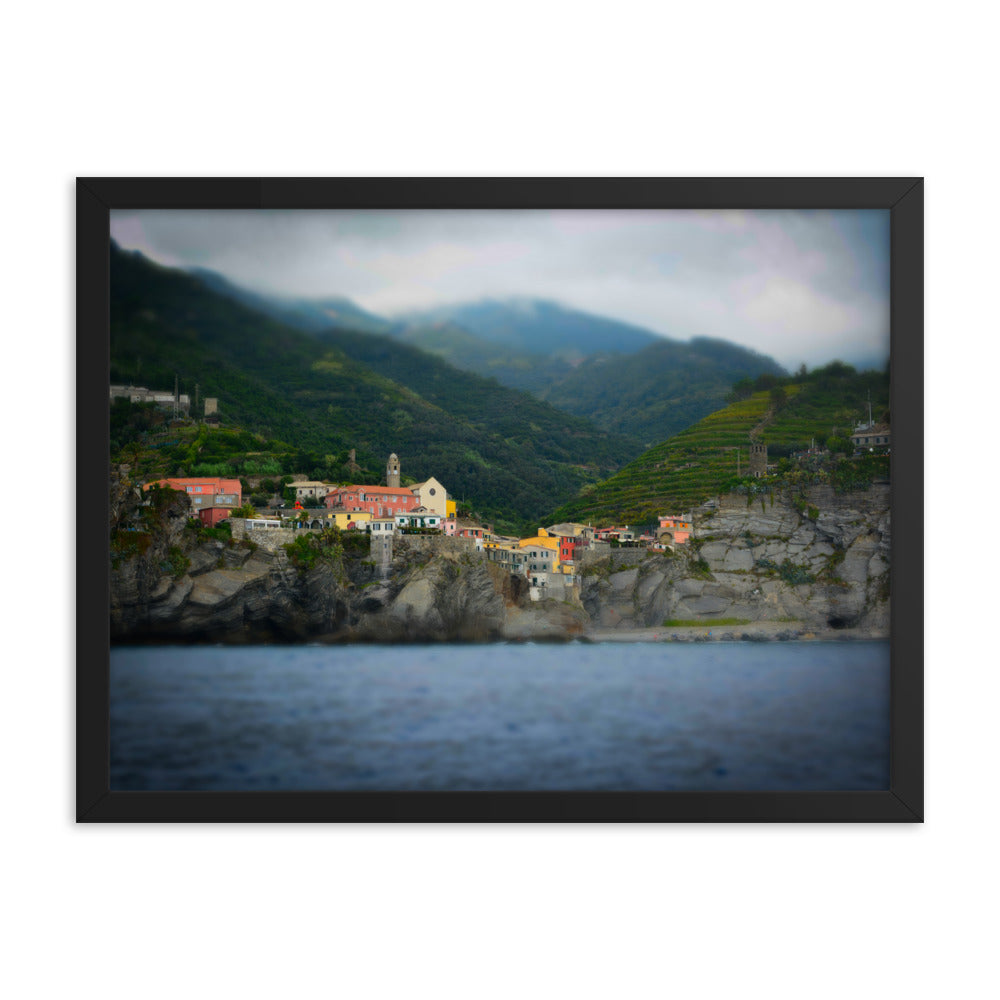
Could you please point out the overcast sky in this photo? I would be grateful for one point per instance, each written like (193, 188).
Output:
(799, 286)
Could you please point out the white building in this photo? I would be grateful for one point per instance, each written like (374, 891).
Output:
(432, 495)
(420, 517)
(311, 488)
(538, 563)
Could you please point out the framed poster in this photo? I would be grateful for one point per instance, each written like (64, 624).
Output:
(519, 500)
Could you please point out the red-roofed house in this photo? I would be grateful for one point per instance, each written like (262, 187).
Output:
(208, 491)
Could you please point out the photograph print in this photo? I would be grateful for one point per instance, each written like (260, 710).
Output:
(500, 500)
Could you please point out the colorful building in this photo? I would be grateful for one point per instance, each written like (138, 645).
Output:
(208, 491)
(469, 529)
(211, 516)
(420, 517)
(345, 519)
(539, 562)
(379, 501)
(544, 540)
(675, 529)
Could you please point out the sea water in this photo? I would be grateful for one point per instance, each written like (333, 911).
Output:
(708, 716)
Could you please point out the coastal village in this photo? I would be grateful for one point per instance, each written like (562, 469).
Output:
(549, 560)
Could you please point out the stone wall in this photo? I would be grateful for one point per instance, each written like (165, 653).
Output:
(270, 539)
(870, 501)
(618, 557)
(437, 544)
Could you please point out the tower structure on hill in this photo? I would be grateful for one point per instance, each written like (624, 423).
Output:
(758, 459)
(392, 471)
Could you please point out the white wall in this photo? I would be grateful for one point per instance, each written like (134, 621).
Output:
(497, 911)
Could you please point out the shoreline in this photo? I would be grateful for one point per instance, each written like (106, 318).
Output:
(756, 632)
(753, 632)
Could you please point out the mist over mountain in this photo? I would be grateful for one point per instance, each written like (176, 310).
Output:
(627, 380)
(310, 315)
(537, 327)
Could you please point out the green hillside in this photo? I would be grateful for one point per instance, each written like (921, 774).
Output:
(508, 456)
(659, 390)
(700, 462)
(626, 380)
(515, 369)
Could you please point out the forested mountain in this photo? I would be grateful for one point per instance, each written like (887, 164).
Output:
(537, 327)
(659, 390)
(625, 379)
(508, 455)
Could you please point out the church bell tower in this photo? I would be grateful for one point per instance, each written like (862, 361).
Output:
(392, 471)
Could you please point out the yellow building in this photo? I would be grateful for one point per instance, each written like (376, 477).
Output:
(342, 518)
(451, 509)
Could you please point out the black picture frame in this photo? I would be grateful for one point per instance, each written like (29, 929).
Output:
(902, 802)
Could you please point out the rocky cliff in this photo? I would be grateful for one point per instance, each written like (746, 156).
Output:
(191, 587)
(811, 563)
(815, 562)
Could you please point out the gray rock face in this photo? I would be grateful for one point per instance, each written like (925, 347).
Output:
(770, 566)
(233, 594)
(774, 566)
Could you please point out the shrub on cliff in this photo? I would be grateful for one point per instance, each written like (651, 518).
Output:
(309, 548)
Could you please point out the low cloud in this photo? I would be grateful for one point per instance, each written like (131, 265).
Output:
(800, 286)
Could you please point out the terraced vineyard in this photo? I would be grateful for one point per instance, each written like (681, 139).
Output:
(695, 465)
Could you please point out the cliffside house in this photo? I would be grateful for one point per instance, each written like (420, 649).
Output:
(539, 562)
(872, 437)
(479, 534)
(432, 495)
(312, 488)
(674, 529)
(211, 491)
(566, 528)
(544, 540)
(379, 501)
(343, 518)
(419, 517)
(380, 526)
(212, 515)
(625, 534)
(140, 394)
(509, 555)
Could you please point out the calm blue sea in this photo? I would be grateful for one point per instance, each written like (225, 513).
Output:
(615, 716)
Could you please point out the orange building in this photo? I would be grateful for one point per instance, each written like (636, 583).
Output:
(678, 528)
(208, 491)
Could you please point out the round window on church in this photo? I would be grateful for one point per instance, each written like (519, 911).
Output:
(432, 491)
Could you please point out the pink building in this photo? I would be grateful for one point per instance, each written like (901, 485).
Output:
(211, 516)
(678, 527)
(379, 501)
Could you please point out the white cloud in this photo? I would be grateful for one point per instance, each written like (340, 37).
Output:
(801, 286)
